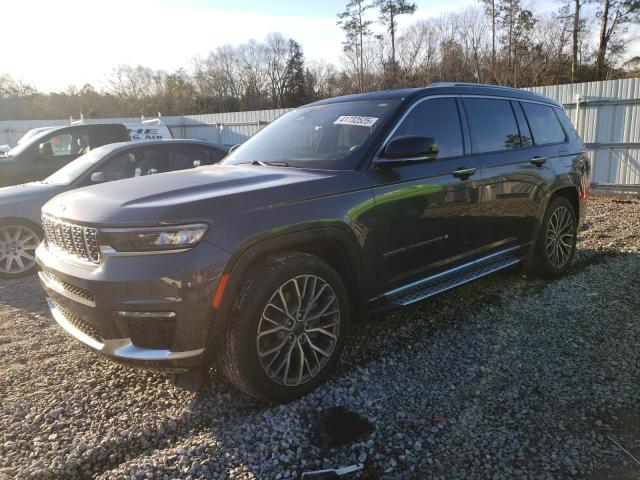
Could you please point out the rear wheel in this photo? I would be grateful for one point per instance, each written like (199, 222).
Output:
(18, 242)
(287, 329)
(556, 244)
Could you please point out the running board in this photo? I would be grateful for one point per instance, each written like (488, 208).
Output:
(449, 279)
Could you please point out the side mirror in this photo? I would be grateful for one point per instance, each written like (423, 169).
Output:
(98, 177)
(45, 150)
(409, 148)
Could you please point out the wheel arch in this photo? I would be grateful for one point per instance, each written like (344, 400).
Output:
(331, 244)
(570, 193)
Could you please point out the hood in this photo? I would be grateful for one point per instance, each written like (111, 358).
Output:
(203, 193)
(29, 191)
(26, 200)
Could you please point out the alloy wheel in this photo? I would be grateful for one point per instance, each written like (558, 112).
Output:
(560, 238)
(18, 244)
(298, 330)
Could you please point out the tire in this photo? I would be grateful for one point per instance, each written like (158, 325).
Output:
(258, 326)
(556, 244)
(18, 242)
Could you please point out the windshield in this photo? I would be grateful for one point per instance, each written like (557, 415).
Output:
(27, 143)
(325, 136)
(72, 170)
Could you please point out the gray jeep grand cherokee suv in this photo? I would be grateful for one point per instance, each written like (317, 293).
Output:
(337, 209)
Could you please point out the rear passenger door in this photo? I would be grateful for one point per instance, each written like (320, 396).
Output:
(512, 182)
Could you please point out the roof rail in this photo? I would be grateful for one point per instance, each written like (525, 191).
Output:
(73, 122)
(483, 85)
(152, 121)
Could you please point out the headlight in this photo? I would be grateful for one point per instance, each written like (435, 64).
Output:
(151, 239)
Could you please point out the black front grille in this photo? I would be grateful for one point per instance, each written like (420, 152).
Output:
(76, 240)
(77, 291)
(85, 326)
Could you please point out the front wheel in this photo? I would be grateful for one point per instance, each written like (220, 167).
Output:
(18, 242)
(556, 244)
(287, 329)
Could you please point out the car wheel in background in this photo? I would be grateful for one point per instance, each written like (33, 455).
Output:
(556, 244)
(287, 328)
(18, 242)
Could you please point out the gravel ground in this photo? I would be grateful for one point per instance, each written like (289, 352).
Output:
(506, 378)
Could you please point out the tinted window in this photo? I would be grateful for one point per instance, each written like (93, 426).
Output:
(491, 124)
(525, 133)
(136, 163)
(189, 156)
(544, 124)
(437, 118)
(105, 134)
(566, 124)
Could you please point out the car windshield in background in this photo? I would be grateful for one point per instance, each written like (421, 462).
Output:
(324, 136)
(26, 143)
(67, 174)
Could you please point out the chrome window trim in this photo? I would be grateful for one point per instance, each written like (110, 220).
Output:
(461, 96)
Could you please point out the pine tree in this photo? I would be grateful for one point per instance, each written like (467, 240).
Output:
(296, 94)
(389, 11)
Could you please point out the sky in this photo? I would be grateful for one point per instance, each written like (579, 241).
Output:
(54, 44)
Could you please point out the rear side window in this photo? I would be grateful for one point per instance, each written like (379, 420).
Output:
(492, 125)
(105, 134)
(437, 118)
(189, 156)
(544, 124)
(566, 124)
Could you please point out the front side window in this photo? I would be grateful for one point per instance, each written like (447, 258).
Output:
(545, 127)
(61, 145)
(72, 170)
(436, 118)
(492, 125)
(330, 136)
(136, 163)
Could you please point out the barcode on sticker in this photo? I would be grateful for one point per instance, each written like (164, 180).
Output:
(356, 120)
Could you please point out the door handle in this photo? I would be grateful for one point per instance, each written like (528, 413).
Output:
(463, 173)
(538, 161)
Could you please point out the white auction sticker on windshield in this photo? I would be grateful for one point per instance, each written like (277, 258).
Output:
(356, 120)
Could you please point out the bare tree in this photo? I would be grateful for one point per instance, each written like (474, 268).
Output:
(613, 14)
(492, 11)
(276, 55)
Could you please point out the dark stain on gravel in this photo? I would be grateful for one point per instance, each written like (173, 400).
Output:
(508, 377)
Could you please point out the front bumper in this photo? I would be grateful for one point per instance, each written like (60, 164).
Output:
(146, 310)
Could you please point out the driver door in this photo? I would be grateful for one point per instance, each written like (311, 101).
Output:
(426, 215)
